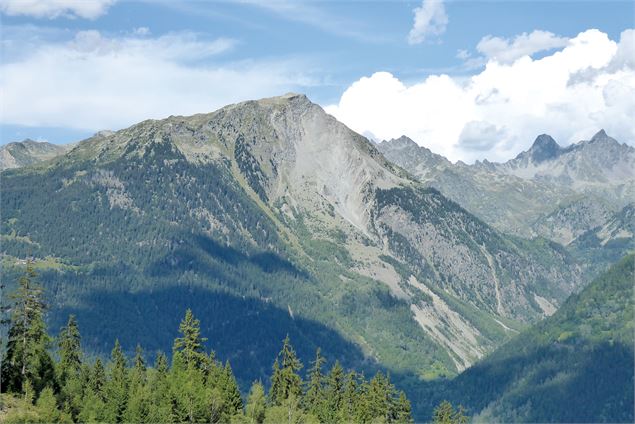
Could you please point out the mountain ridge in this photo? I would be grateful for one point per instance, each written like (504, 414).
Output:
(587, 181)
(27, 152)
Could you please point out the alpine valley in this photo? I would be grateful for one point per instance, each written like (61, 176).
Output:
(270, 218)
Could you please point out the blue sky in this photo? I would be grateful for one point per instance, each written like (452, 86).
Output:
(236, 50)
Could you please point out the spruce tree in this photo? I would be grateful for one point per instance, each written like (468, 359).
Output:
(334, 393)
(98, 379)
(288, 412)
(161, 399)
(285, 380)
(314, 396)
(444, 413)
(138, 399)
(69, 344)
(69, 367)
(93, 407)
(161, 363)
(190, 345)
(350, 398)
(275, 391)
(403, 410)
(47, 409)
(193, 400)
(233, 403)
(26, 354)
(138, 361)
(379, 397)
(117, 386)
(256, 404)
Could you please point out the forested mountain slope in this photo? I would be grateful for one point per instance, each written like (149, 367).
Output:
(575, 366)
(270, 217)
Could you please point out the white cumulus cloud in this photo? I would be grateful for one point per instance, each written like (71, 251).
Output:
(94, 81)
(586, 85)
(51, 9)
(429, 19)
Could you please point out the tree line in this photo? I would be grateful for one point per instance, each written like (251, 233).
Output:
(192, 386)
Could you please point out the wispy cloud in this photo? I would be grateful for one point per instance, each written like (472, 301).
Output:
(430, 19)
(317, 17)
(51, 9)
(507, 50)
(96, 81)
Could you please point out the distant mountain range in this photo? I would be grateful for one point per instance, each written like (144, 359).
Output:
(29, 152)
(558, 193)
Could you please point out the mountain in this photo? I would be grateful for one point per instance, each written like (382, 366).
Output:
(569, 222)
(27, 152)
(600, 164)
(550, 191)
(575, 366)
(505, 201)
(544, 149)
(608, 241)
(270, 217)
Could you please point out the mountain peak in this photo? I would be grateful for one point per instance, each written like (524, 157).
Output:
(544, 148)
(599, 134)
(602, 137)
(545, 141)
(401, 142)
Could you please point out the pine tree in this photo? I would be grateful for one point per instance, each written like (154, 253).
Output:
(256, 404)
(314, 396)
(190, 345)
(285, 377)
(26, 355)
